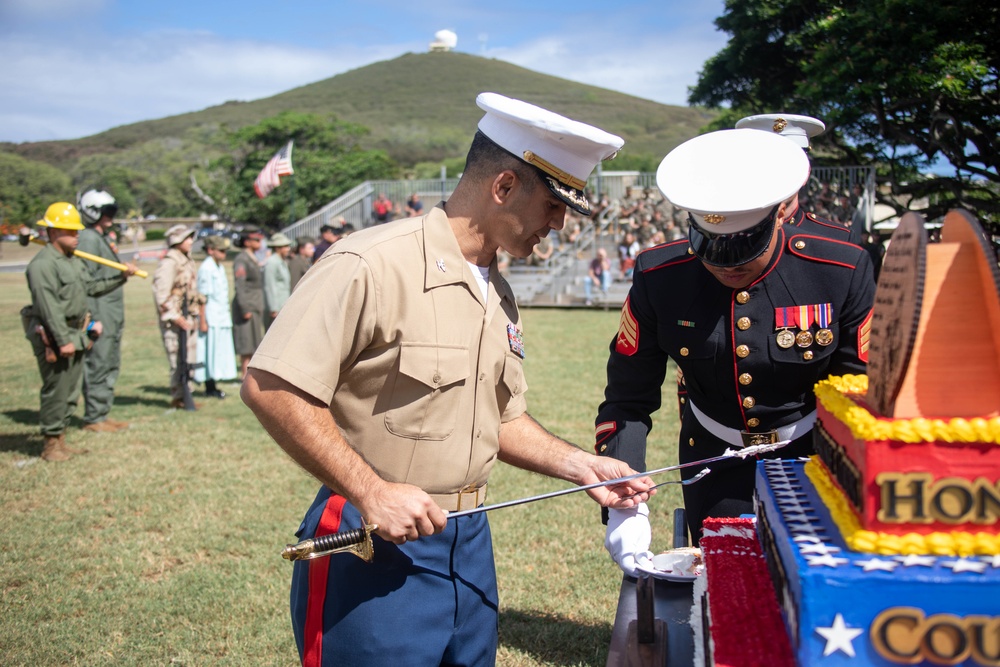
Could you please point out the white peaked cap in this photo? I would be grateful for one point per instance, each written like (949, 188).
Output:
(791, 126)
(731, 179)
(567, 151)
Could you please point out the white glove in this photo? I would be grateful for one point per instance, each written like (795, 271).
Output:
(628, 537)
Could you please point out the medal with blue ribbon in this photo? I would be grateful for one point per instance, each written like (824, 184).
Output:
(824, 313)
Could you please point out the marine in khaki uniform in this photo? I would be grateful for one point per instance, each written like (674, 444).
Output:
(394, 375)
(103, 360)
(178, 303)
(58, 325)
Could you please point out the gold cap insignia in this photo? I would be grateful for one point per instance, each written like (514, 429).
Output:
(714, 218)
(779, 125)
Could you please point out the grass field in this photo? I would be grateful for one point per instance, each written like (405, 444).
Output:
(161, 546)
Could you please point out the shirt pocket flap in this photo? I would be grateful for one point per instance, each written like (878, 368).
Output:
(433, 365)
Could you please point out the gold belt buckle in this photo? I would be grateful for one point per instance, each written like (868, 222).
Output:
(464, 490)
(754, 439)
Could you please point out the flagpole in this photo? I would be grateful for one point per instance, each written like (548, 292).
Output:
(291, 215)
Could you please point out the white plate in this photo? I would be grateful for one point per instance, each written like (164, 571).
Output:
(673, 565)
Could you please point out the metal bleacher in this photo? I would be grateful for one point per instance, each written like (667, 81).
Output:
(559, 281)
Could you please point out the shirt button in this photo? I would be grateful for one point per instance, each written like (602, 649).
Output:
(753, 422)
(746, 379)
(743, 323)
(749, 402)
(743, 297)
(436, 378)
(482, 377)
(807, 355)
(685, 352)
(743, 351)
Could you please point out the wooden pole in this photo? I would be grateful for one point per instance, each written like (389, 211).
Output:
(94, 258)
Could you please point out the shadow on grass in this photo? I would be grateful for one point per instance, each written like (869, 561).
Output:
(29, 444)
(555, 640)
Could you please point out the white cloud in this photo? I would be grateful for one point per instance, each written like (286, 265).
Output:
(71, 92)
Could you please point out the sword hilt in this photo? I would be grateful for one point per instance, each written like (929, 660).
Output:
(357, 542)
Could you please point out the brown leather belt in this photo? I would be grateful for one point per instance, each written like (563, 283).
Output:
(466, 499)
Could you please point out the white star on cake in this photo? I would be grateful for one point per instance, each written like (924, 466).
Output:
(839, 637)
(826, 559)
(992, 561)
(818, 548)
(912, 560)
(877, 564)
(965, 565)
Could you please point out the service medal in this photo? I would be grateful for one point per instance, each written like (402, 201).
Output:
(824, 313)
(785, 339)
(784, 319)
(804, 338)
(805, 317)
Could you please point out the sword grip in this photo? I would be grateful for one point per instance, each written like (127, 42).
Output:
(357, 542)
(339, 540)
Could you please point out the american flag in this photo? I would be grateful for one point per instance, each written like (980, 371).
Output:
(268, 178)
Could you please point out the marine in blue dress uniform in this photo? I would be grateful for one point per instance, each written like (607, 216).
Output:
(753, 312)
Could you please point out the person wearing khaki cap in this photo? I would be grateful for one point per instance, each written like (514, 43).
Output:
(753, 315)
(394, 376)
(178, 304)
(277, 277)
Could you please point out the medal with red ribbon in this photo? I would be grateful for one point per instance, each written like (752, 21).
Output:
(784, 320)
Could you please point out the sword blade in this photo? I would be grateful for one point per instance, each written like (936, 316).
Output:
(309, 549)
(752, 450)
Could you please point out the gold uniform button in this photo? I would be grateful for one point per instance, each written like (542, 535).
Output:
(685, 352)
(800, 244)
(807, 355)
(683, 400)
(746, 379)
(691, 442)
(753, 422)
(742, 297)
(743, 323)
(749, 402)
(690, 252)
(604, 448)
(742, 351)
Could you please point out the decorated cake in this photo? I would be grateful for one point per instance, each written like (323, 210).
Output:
(884, 548)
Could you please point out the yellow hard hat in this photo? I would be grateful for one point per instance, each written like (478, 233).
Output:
(61, 215)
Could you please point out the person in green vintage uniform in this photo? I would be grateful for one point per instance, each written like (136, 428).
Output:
(58, 325)
(102, 363)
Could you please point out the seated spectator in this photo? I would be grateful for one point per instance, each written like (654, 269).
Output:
(382, 209)
(628, 250)
(414, 206)
(542, 252)
(598, 275)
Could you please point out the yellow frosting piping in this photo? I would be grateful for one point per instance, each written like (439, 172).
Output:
(835, 393)
(874, 542)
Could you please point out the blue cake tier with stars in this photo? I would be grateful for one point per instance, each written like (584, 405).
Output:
(843, 607)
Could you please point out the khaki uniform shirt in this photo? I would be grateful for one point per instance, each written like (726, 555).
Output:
(390, 329)
(176, 279)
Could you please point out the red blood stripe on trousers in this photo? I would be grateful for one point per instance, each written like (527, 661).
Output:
(319, 570)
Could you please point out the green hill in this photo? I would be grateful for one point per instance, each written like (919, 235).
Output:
(419, 107)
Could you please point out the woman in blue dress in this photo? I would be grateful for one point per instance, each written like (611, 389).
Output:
(216, 354)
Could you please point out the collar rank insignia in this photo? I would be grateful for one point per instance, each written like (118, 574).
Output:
(515, 338)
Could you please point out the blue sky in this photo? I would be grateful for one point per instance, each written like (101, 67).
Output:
(71, 68)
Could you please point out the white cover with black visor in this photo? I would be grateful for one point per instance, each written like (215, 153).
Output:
(564, 150)
(731, 182)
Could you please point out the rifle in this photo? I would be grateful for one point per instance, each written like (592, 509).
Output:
(183, 365)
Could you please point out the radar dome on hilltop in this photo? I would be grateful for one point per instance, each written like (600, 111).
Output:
(444, 40)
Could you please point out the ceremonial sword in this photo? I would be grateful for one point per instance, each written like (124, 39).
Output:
(359, 540)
